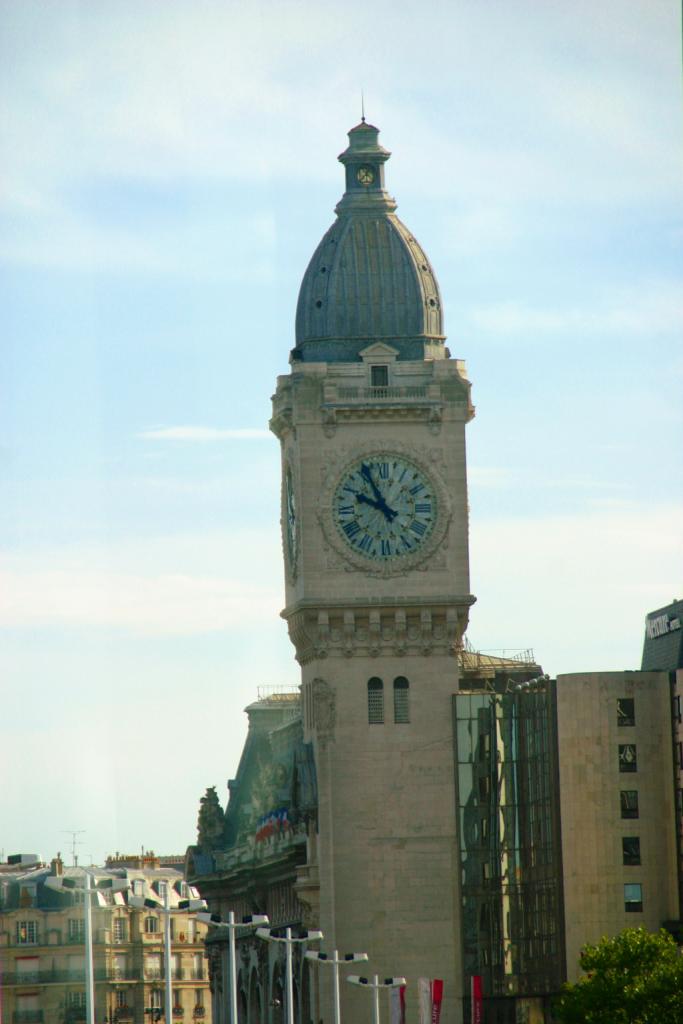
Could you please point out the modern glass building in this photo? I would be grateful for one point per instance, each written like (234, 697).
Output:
(510, 850)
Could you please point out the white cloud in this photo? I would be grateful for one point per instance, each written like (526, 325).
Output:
(647, 309)
(204, 434)
(177, 584)
(169, 603)
(235, 91)
(490, 476)
(578, 586)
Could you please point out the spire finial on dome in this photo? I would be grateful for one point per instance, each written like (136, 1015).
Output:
(362, 107)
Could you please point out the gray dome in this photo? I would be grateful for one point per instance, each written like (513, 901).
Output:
(368, 279)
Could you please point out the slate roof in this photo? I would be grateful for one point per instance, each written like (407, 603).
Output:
(369, 278)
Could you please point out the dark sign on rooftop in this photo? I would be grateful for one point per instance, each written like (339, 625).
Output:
(663, 644)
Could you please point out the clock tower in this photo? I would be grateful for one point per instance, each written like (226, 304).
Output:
(371, 421)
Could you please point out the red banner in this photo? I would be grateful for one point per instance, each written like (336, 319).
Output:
(477, 1000)
(398, 1005)
(437, 997)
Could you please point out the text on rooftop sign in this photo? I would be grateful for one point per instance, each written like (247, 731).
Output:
(660, 625)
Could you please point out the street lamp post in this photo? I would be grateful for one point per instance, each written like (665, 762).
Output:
(251, 921)
(336, 961)
(142, 902)
(289, 940)
(61, 883)
(376, 985)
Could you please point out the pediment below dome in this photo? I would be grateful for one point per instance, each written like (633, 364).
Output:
(379, 350)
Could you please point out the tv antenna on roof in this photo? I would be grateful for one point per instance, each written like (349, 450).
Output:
(74, 842)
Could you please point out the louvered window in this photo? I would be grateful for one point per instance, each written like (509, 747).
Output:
(375, 701)
(401, 702)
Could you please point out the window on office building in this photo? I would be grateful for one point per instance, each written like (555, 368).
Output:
(630, 848)
(629, 803)
(151, 925)
(626, 711)
(628, 758)
(633, 897)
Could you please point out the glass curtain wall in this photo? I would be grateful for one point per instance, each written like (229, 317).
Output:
(509, 841)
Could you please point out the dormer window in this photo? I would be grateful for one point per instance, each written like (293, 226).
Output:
(379, 376)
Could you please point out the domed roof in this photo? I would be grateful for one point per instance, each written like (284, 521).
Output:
(369, 279)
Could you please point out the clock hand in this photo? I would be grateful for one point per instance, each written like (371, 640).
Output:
(365, 472)
(379, 503)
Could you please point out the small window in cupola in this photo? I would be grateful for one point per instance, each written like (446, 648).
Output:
(379, 376)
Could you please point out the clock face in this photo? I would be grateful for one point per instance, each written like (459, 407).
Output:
(290, 517)
(365, 175)
(384, 507)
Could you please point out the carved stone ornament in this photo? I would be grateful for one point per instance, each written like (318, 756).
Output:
(337, 463)
(324, 709)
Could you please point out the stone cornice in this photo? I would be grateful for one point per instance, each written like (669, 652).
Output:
(396, 627)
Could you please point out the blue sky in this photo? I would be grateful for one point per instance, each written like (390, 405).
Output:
(168, 169)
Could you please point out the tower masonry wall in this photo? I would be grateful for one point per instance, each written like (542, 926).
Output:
(387, 834)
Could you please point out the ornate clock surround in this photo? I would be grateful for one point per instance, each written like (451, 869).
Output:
(338, 461)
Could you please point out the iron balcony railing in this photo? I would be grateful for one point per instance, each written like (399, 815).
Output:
(23, 978)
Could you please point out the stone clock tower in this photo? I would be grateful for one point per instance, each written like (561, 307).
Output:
(371, 421)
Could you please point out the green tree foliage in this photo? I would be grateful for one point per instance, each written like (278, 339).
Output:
(211, 821)
(634, 978)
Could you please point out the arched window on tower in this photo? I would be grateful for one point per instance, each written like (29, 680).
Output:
(401, 702)
(375, 701)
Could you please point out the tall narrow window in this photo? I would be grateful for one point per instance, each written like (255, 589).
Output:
(401, 704)
(633, 897)
(626, 711)
(630, 846)
(628, 758)
(629, 803)
(375, 701)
